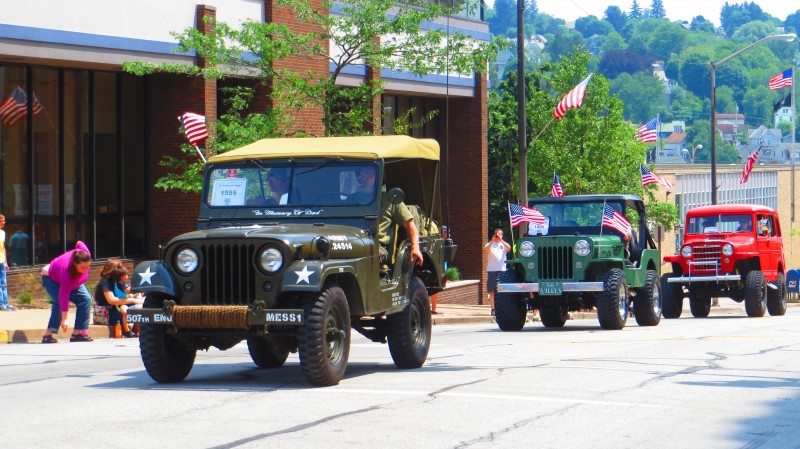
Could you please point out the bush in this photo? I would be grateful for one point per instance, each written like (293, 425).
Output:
(25, 298)
(452, 274)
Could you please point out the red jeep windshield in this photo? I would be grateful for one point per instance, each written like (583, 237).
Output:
(712, 224)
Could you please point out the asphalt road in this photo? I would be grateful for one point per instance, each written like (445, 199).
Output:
(724, 382)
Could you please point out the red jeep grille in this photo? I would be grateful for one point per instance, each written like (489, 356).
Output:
(705, 258)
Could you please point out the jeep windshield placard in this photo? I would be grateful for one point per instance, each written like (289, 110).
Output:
(299, 189)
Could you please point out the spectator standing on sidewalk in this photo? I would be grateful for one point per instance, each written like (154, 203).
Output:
(497, 249)
(4, 305)
(64, 279)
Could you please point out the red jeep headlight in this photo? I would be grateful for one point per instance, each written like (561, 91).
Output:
(686, 251)
(727, 249)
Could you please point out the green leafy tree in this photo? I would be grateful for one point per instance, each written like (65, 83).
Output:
(700, 133)
(252, 49)
(725, 102)
(792, 22)
(694, 72)
(613, 42)
(733, 16)
(589, 26)
(642, 94)
(702, 25)
(563, 44)
(636, 11)
(616, 17)
(753, 31)
(657, 10)
(667, 39)
(683, 105)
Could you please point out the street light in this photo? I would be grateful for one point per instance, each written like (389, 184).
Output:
(788, 37)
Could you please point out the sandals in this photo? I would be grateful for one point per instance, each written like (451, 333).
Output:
(49, 339)
(80, 337)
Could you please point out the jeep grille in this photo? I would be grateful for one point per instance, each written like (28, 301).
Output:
(705, 258)
(555, 262)
(228, 274)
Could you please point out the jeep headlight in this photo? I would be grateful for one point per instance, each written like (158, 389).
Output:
(686, 251)
(727, 249)
(186, 261)
(582, 248)
(271, 260)
(527, 248)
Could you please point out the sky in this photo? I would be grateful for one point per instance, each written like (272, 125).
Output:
(570, 10)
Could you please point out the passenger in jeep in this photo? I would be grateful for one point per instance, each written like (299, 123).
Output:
(390, 215)
(278, 183)
(745, 225)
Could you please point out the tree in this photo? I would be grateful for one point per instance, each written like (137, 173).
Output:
(753, 31)
(700, 133)
(642, 94)
(667, 39)
(613, 42)
(694, 72)
(733, 16)
(563, 43)
(589, 26)
(636, 11)
(504, 17)
(616, 17)
(347, 39)
(701, 24)
(657, 10)
(792, 22)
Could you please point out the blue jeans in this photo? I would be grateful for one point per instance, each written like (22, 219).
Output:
(80, 296)
(3, 285)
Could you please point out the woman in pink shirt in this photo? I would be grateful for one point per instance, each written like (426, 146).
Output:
(63, 280)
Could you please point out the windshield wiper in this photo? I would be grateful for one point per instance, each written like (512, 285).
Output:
(320, 165)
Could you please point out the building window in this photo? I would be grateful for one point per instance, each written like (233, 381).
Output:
(78, 174)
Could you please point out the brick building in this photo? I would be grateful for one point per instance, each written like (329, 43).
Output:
(79, 161)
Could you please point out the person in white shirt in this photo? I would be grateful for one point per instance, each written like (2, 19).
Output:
(496, 248)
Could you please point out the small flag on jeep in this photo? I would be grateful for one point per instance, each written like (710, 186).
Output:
(521, 214)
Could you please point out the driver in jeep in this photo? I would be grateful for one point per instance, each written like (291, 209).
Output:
(390, 215)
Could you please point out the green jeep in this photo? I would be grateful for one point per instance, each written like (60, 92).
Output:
(286, 257)
(575, 261)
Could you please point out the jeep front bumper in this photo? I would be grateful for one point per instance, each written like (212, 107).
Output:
(550, 288)
(713, 278)
(215, 317)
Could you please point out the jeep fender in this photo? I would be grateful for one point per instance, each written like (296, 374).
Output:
(309, 276)
(153, 276)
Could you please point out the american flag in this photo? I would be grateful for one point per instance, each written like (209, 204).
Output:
(195, 127)
(573, 99)
(783, 79)
(648, 177)
(647, 132)
(556, 191)
(748, 166)
(15, 107)
(613, 219)
(521, 214)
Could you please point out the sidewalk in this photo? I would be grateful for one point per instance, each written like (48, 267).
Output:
(27, 325)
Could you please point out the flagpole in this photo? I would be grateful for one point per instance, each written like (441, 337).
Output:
(794, 121)
(511, 226)
(540, 132)
(199, 153)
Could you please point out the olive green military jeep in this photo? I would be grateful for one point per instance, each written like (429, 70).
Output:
(286, 257)
(576, 258)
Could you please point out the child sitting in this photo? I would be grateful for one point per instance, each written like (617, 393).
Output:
(112, 292)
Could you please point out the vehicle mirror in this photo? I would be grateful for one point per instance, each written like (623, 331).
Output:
(396, 195)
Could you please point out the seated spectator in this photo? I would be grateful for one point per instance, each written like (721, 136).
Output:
(745, 225)
(112, 292)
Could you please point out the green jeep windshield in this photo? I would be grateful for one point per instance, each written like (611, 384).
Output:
(569, 218)
(328, 182)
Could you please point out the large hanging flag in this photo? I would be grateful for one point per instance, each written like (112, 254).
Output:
(613, 219)
(748, 167)
(195, 127)
(573, 99)
(783, 79)
(647, 132)
(648, 177)
(556, 191)
(15, 107)
(521, 214)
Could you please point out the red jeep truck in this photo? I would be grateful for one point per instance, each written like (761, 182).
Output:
(733, 251)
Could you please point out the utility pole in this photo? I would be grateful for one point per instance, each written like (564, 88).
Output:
(522, 132)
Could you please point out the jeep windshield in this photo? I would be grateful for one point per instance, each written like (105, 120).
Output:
(571, 218)
(716, 223)
(268, 183)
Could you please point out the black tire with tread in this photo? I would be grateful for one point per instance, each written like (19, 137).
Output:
(409, 332)
(647, 306)
(264, 354)
(324, 337)
(165, 358)
(510, 310)
(699, 305)
(777, 298)
(555, 316)
(615, 289)
(671, 298)
(755, 294)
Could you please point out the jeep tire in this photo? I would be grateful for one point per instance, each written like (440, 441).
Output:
(700, 305)
(777, 298)
(409, 331)
(671, 298)
(554, 316)
(510, 310)
(647, 304)
(612, 302)
(265, 354)
(324, 337)
(166, 359)
(755, 294)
